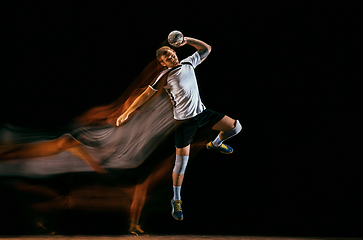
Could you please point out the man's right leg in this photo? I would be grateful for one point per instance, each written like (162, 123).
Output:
(181, 161)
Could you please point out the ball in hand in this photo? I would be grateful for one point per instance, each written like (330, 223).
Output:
(175, 38)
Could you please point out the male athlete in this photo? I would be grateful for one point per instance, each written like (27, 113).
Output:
(189, 111)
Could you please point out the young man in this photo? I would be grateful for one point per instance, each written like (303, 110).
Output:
(189, 111)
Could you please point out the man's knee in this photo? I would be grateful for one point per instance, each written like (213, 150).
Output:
(181, 163)
(181, 159)
(234, 131)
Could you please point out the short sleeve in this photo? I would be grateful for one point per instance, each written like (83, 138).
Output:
(156, 80)
(193, 59)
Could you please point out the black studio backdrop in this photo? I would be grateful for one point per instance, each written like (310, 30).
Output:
(280, 68)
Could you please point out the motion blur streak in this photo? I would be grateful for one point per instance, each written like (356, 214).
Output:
(102, 115)
(137, 156)
(122, 147)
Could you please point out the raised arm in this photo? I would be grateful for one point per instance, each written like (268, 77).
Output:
(203, 48)
(139, 101)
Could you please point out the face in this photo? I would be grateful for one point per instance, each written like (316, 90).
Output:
(170, 59)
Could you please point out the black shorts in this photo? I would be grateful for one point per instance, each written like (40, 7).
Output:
(186, 130)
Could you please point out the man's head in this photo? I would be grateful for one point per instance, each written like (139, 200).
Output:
(167, 57)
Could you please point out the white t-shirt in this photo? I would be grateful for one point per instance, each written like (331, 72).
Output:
(182, 87)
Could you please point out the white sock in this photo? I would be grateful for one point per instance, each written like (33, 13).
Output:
(176, 190)
(217, 142)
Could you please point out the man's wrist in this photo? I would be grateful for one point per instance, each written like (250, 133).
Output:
(189, 41)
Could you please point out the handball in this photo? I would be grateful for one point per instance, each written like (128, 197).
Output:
(175, 38)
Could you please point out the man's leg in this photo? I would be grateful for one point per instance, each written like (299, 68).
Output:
(228, 128)
(182, 156)
(181, 161)
(138, 202)
(32, 150)
(49, 148)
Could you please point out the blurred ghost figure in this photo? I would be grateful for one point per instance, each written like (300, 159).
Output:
(95, 140)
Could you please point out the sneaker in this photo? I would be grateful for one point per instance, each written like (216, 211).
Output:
(177, 211)
(223, 148)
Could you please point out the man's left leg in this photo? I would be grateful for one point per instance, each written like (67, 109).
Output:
(181, 161)
(138, 202)
(228, 128)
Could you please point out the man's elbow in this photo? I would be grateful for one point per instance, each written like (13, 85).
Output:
(203, 53)
(206, 49)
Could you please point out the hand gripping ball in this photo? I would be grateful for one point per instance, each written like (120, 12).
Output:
(175, 38)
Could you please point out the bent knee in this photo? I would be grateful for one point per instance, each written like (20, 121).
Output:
(237, 127)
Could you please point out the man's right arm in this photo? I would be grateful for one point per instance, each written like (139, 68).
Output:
(203, 48)
(139, 101)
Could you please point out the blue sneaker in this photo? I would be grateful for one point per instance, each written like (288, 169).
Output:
(223, 148)
(177, 211)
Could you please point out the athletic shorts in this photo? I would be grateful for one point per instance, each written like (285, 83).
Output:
(186, 130)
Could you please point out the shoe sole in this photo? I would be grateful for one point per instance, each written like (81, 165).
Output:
(226, 152)
(175, 217)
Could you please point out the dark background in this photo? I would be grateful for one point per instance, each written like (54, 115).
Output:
(285, 70)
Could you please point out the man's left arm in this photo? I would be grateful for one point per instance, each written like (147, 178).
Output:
(203, 48)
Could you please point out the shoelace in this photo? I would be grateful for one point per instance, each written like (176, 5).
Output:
(223, 146)
(178, 206)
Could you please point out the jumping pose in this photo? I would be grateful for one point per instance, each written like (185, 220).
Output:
(179, 81)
